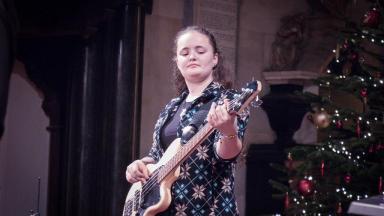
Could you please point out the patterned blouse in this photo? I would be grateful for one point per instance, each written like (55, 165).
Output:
(206, 182)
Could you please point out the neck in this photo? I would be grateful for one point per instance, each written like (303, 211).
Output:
(196, 89)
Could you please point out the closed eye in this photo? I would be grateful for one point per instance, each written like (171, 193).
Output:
(200, 50)
(184, 52)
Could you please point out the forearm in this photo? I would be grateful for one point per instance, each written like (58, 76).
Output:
(229, 146)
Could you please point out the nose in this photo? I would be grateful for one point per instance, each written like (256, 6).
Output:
(192, 56)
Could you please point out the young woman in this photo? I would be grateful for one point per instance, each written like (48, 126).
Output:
(206, 182)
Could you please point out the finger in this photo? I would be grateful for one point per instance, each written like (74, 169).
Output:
(131, 179)
(221, 112)
(148, 160)
(210, 116)
(212, 109)
(138, 173)
(134, 170)
(145, 171)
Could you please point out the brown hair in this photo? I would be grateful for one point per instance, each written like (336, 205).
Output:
(219, 71)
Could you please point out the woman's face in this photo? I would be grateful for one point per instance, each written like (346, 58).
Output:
(194, 57)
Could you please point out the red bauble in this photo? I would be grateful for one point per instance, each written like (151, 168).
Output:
(346, 44)
(305, 187)
(322, 168)
(339, 124)
(372, 18)
(289, 161)
(286, 201)
(339, 210)
(364, 93)
(358, 129)
(347, 178)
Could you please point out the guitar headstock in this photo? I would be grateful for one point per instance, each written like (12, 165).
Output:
(247, 96)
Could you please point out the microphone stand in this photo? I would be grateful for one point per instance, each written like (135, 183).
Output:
(36, 212)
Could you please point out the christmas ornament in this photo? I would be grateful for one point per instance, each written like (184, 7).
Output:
(320, 119)
(339, 210)
(305, 187)
(322, 168)
(289, 161)
(286, 200)
(380, 184)
(358, 129)
(346, 44)
(363, 92)
(347, 178)
(372, 18)
(339, 124)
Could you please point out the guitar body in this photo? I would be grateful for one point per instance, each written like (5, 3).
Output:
(159, 197)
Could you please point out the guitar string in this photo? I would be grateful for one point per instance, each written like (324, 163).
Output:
(136, 198)
(153, 180)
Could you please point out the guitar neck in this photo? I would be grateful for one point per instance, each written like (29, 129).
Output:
(185, 151)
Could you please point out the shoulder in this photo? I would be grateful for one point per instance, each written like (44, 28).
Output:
(174, 101)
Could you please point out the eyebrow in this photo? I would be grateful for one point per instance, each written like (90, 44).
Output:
(196, 47)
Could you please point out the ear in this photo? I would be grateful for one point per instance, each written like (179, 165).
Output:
(215, 59)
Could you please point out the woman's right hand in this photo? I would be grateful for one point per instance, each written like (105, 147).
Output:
(138, 171)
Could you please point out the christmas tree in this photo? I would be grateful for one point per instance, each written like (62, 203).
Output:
(347, 163)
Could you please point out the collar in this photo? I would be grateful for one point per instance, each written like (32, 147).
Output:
(213, 89)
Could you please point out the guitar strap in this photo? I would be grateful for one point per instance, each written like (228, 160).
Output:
(199, 119)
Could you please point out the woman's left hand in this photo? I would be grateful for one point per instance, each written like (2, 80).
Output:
(221, 119)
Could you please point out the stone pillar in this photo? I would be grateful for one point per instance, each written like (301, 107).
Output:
(128, 84)
(7, 41)
(221, 18)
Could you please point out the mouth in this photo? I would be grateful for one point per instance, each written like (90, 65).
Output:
(192, 65)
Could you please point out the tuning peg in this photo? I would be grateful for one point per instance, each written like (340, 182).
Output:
(257, 102)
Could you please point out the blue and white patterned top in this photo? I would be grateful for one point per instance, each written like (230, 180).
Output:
(206, 182)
